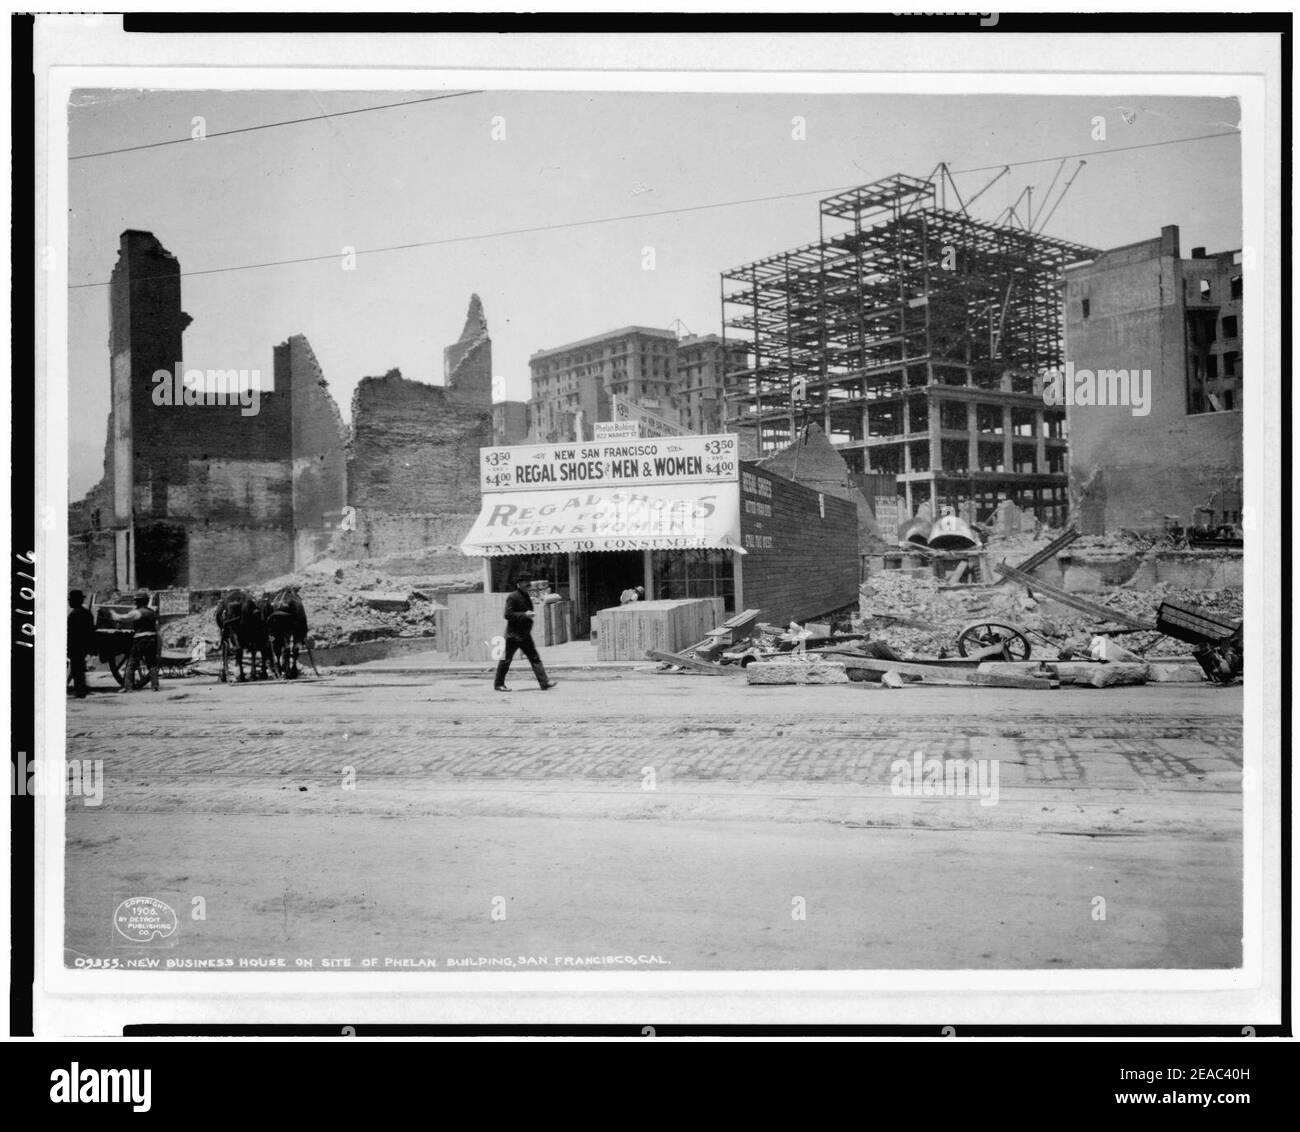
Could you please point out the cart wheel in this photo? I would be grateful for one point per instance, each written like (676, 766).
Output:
(986, 634)
(117, 665)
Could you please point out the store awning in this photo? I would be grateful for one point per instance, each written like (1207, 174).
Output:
(660, 517)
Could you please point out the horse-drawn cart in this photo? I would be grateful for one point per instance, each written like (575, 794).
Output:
(112, 644)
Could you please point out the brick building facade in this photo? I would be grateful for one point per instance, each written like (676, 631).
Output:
(1143, 308)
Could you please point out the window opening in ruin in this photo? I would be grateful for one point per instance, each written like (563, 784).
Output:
(1200, 334)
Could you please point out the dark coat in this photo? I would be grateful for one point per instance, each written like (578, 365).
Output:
(518, 624)
(81, 631)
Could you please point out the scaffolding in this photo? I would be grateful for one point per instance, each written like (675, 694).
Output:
(916, 335)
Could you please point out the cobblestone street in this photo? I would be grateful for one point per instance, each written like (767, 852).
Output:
(681, 822)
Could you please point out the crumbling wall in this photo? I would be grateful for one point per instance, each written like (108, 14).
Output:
(318, 447)
(226, 554)
(205, 489)
(91, 561)
(413, 467)
(1127, 479)
(467, 363)
(801, 547)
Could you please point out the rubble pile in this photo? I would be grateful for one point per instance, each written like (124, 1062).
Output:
(918, 597)
(346, 603)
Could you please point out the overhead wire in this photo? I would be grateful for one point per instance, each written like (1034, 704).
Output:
(569, 224)
(272, 125)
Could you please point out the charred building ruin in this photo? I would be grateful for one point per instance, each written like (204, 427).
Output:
(202, 491)
(915, 335)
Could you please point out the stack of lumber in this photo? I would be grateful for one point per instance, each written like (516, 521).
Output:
(628, 632)
(726, 635)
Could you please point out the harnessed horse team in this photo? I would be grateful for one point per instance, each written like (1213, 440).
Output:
(270, 628)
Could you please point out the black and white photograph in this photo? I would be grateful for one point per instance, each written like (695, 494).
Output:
(710, 521)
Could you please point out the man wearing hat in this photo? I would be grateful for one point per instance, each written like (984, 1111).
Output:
(81, 640)
(144, 642)
(519, 636)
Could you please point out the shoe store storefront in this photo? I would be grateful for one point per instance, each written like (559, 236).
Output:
(679, 517)
(595, 519)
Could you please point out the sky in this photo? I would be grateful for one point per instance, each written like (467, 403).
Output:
(468, 169)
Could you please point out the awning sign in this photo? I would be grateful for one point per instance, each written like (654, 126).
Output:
(611, 464)
(672, 516)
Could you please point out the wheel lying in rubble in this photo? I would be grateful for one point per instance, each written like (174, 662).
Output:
(989, 634)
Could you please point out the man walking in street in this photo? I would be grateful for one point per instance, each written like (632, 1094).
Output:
(144, 642)
(519, 636)
(81, 640)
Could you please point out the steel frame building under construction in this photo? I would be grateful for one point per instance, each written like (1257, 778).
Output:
(915, 338)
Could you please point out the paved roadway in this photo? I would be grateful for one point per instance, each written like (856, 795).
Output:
(688, 821)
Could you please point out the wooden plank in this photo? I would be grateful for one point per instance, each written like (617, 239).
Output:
(1082, 605)
(725, 635)
(681, 660)
(1051, 550)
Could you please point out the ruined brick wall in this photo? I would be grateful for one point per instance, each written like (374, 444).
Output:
(430, 542)
(223, 555)
(91, 566)
(467, 363)
(318, 447)
(1130, 471)
(801, 547)
(413, 467)
(209, 487)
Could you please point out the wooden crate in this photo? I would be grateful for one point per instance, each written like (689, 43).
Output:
(625, 632)
(472, 621)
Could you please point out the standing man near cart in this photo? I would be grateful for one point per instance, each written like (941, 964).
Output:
(144, 642)
(519, 636)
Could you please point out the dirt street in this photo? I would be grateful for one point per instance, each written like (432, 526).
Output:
(636, 820)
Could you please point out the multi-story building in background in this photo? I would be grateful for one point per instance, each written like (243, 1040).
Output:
(701, 374)
(915, 335)
(679, 380)
(573, 383)
(1177, 458)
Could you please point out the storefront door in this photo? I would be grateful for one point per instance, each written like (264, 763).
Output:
(606, 574)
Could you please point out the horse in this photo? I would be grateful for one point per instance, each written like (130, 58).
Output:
(286, 622)
(242, 624)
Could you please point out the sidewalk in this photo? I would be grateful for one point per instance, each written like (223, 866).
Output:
(573, 656)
